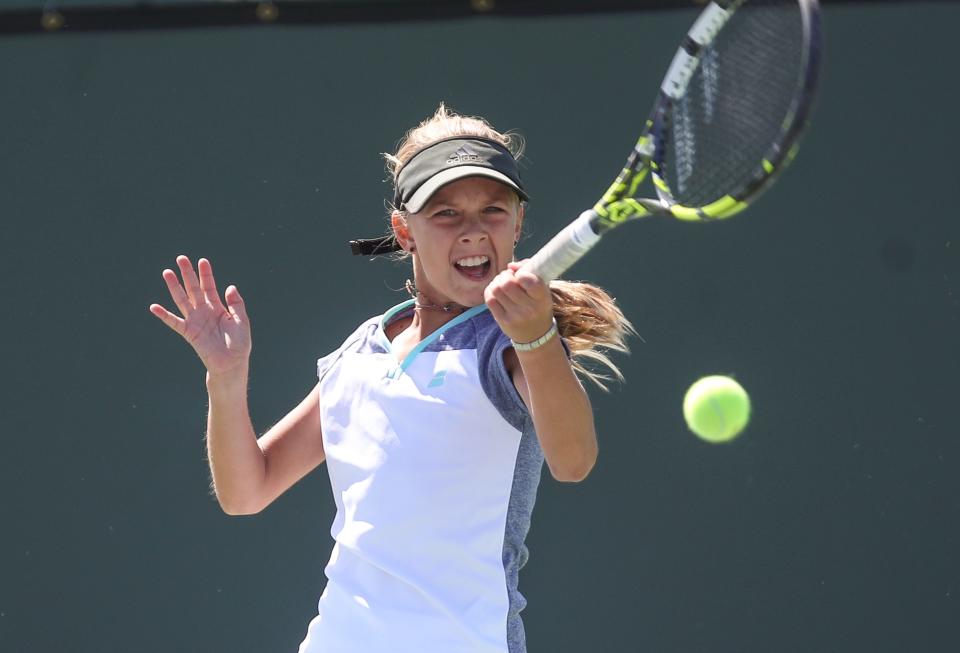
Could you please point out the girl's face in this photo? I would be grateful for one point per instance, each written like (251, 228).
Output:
(461, 239)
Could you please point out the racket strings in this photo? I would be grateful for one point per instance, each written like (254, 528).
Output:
(737, 105)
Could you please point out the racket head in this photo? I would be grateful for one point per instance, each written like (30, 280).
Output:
(729, 115)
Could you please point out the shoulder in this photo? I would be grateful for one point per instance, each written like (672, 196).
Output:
(362, 339)
(364, 336)
(490, 337)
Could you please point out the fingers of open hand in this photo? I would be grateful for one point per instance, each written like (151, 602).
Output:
(177, 293)
(197, 300)
(235, 304)
(195, 292)
(191, 284)
(168, 318)
(208, 286)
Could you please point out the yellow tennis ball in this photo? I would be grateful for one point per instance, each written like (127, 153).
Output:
(716, 408)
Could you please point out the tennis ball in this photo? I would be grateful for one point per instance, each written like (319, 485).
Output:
(716, 408)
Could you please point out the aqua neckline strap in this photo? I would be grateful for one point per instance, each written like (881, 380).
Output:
(423, 344)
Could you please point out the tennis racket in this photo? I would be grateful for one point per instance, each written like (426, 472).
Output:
(725, 123)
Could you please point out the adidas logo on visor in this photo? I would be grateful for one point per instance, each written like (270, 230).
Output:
(464, 155)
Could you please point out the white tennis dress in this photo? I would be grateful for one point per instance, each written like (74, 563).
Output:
(434, 467)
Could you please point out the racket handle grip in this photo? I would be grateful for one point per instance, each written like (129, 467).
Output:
(564, 249)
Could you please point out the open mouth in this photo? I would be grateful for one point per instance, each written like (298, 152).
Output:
(473, 267)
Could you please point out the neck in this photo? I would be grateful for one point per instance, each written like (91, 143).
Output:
(424, 303)
(427, 317)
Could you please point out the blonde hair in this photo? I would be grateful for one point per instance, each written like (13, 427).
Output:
(448, 124)
(587, 317)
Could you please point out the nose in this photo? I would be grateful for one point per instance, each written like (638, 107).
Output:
(473, 231)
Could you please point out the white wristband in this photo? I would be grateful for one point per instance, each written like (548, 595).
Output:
(539, 342)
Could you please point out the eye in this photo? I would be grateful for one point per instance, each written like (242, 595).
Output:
(494, 209)
(445, 213)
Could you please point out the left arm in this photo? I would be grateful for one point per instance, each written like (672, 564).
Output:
(561, 411)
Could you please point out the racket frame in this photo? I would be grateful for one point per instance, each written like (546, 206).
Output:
(619, 203)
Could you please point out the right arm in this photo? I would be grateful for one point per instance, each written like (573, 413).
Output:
(247, 473)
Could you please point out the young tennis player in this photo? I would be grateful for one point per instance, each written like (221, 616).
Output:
(434, 418)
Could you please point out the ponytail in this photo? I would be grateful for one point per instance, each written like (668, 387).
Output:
(591, 324)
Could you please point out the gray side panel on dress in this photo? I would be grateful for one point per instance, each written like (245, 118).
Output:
(491, 344)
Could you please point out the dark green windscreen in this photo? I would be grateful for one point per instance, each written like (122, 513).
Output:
(831, 525)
